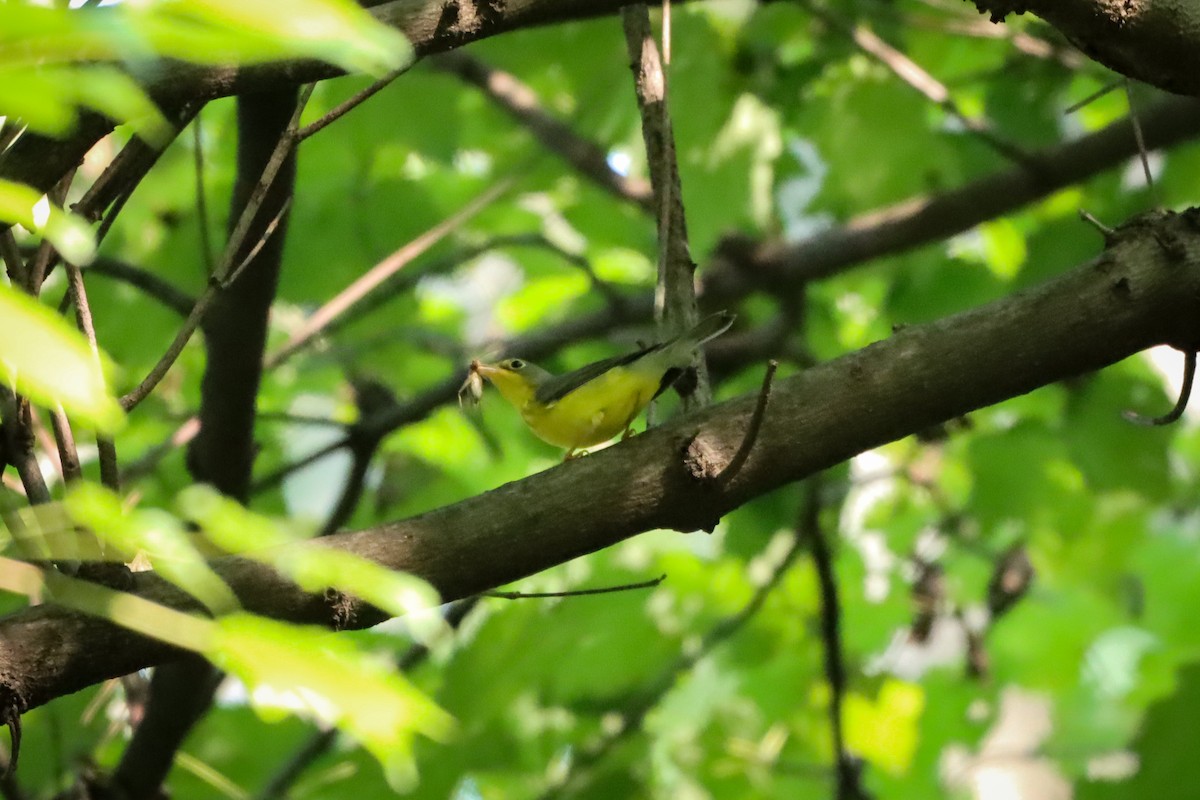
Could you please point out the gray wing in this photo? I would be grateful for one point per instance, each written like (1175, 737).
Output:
(558, 387)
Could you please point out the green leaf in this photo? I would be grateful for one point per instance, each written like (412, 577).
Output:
(39, 99)
(313, 566)
(337, 31)
(156, 535)
(1165, 767)
(50, 362)
(117, 95)
(323, 675)
(885, 730)
(186, 631)
(69, 234)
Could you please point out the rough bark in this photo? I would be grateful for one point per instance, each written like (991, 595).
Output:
(1155, 41)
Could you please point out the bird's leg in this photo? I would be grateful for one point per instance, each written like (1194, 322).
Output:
(572, 455)
(628, 432)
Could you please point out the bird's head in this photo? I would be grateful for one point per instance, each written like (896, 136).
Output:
(515, 378)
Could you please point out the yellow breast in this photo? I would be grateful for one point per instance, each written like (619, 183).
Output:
(593, 413)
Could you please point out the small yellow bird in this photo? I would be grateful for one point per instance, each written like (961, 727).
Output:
(596, 402)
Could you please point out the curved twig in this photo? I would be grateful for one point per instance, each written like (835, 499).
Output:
(1185, 393)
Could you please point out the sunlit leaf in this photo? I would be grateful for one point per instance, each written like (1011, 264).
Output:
(50, 362)
(337, 31)
(183, 630)
(46, 532)
(117, 95)
(326, 677)
(885, 730)
(313, 566)
(37, 99)
(156, 535)
(69, 234)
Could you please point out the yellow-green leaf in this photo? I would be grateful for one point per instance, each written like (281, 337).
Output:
(314, 671)
(313, 566)
(156, 535)
(69, 234)
(50, 362)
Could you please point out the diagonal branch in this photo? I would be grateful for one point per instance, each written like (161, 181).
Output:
(521, 103)
(376, 275)
(1135, 295)
(1151, 42)
(744, 265)
(919, 79)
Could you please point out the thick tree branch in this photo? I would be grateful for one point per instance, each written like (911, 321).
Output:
(1155, 42)
(1137, 294)
(743, 265)
(235, 333)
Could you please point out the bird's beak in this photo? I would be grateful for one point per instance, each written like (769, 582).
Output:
(486, 370)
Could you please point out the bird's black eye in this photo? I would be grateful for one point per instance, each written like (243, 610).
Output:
(515, 364)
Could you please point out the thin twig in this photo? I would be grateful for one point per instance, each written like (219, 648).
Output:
(206, 243)
(10, 131)
(150, 284)
(44, 439)
(64, 439)
(1094, 96)
(1141, 144)
(353, 293)
(18, 445)
(349, 105)
(1105, 231)
(919, 79)
(521, 103)
(675, 291)
(404, 281)
(10, 789)
(751, 436)
(1185, 393)
(149, 460)
(124, 173)
(114, 211)
(224, 268)
(625, 587)
(267, 233)
(635, 712)
(40, 265)
(279, 155)
(370, 397)
(848, 768)
(105, 199)
(182, 336)
(290, 419)
(106, 446)
(1026, 43)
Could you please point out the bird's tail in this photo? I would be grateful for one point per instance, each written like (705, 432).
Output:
(708, 328)
(678, 352)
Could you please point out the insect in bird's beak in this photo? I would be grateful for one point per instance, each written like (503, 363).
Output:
(472, 387)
